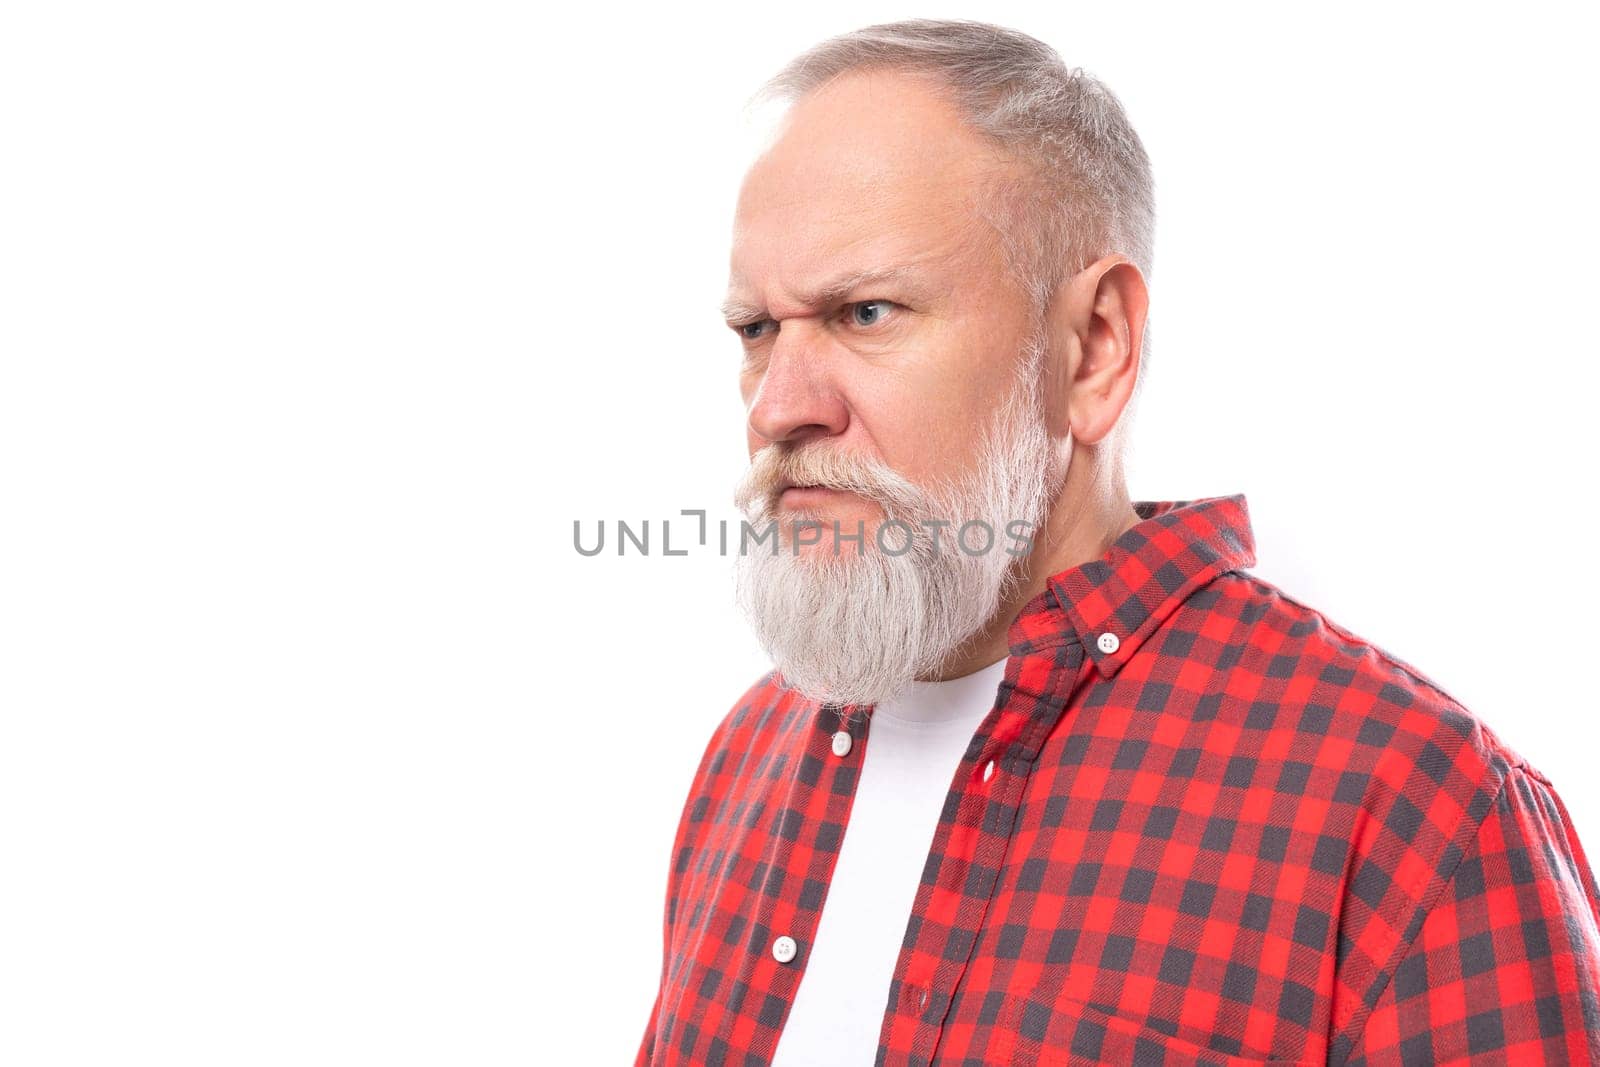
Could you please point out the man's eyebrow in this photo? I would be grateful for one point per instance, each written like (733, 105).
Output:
(736, 310)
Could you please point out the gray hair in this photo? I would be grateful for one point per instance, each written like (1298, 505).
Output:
(1088, 189)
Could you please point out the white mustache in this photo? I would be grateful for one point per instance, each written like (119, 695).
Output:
(778, 467)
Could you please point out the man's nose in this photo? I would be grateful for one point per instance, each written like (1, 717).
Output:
(797, 397)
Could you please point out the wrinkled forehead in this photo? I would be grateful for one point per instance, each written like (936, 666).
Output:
(870, 170)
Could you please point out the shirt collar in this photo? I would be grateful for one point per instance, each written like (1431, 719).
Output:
(1111, 604)
(1176, 547)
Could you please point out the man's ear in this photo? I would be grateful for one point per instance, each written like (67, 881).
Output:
(1096, 326)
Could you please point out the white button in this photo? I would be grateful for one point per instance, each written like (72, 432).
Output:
(1108, 642)
(924, 998)
(783, 949)
(988, 771)
(841, 743)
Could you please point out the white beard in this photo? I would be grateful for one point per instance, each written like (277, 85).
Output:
(855, 627)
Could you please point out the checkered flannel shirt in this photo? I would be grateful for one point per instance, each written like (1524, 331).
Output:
(1203, 824)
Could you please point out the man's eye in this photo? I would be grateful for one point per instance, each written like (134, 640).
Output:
(869, 312)
(752, 331)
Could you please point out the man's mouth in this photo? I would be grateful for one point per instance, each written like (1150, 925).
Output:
(802, 495)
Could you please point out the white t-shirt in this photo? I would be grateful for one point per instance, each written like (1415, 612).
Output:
(914, 743)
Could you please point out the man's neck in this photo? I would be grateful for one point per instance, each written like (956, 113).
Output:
(1082, 527)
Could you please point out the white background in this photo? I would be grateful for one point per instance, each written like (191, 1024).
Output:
(322, 323)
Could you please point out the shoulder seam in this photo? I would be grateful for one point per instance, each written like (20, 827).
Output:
(1389, 658)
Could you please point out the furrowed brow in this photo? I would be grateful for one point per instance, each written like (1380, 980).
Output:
(735, 310)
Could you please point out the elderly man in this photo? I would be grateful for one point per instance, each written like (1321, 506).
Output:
(1045, 775)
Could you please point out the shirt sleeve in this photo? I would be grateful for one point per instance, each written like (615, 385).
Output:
(683, 842)
(1506, 964)
(647, 1045)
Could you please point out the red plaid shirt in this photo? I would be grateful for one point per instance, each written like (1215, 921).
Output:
(1218, 829)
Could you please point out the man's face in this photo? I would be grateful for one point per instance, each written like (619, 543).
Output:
(872, 175)
(890, 357)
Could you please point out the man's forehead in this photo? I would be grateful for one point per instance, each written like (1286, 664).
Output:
(818, 175)
(862, 233)
(803, 237)
(874, 171)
